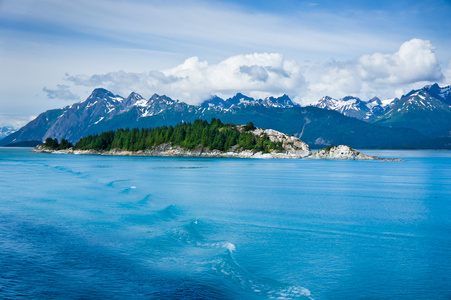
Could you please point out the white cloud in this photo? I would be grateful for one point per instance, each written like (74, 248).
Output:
(16, 121)
(382, 75)
(62, 92)
(415, 61)
(447, 74)
(270, 74)
(258, 75)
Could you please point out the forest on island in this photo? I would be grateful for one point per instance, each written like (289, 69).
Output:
(212, 135)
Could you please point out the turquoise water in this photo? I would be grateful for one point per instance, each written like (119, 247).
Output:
(96, 227)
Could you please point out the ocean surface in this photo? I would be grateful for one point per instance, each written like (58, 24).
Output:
(94, 227)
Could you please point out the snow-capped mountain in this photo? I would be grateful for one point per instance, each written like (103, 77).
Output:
(348, 106)
(104, 111)
(421, 111)
(355, 107)
(441, 93)
(240, 99)
(6, 130)
(102, 106)
(134, 99)
(426, 110)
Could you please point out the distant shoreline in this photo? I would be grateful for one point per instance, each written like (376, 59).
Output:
(175, 151)
(344, 153)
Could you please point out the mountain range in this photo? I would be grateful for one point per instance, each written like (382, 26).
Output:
(427, 110)
(355, 107)
(419, 118)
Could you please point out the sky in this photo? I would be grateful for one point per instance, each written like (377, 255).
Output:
(55, 52)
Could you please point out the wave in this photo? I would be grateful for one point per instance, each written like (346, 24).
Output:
(144, 200)
(128, 190)
(136, 205)
(196, 232)
(218, 260)
(167, 214)
(70, 171)
(226, 267)
(114, 183)
(191, 247)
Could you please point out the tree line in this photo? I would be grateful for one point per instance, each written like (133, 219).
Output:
(53, 144)
(212, 135)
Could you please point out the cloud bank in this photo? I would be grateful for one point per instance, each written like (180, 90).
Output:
(415, 61)
(414, 64)
(265, 74)
(258, 75)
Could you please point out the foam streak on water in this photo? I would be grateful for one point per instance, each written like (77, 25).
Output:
(96, 227)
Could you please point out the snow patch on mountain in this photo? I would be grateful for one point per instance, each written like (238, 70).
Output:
(6, 130)
(239, 99)
(355, 107)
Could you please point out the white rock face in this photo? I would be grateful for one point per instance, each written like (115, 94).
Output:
(292, 145)
(343, 152)
(337, 152)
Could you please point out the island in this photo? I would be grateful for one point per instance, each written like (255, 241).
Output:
(199, 139)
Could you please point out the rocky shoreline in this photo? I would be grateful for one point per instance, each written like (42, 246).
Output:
(166, 150)
(341, 152)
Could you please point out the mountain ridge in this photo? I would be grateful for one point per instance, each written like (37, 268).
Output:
(421, 111)
(355, 107)
(103, 111)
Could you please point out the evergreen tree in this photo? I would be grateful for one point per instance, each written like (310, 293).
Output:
(64, 144)
(249, 126)
(213, 135)
(51, 143)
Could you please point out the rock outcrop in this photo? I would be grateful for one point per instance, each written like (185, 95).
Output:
(343, 152)
(292, 145)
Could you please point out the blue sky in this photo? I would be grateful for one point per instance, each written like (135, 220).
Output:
(54, 53)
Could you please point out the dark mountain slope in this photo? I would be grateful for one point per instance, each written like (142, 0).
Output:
(420, 111)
